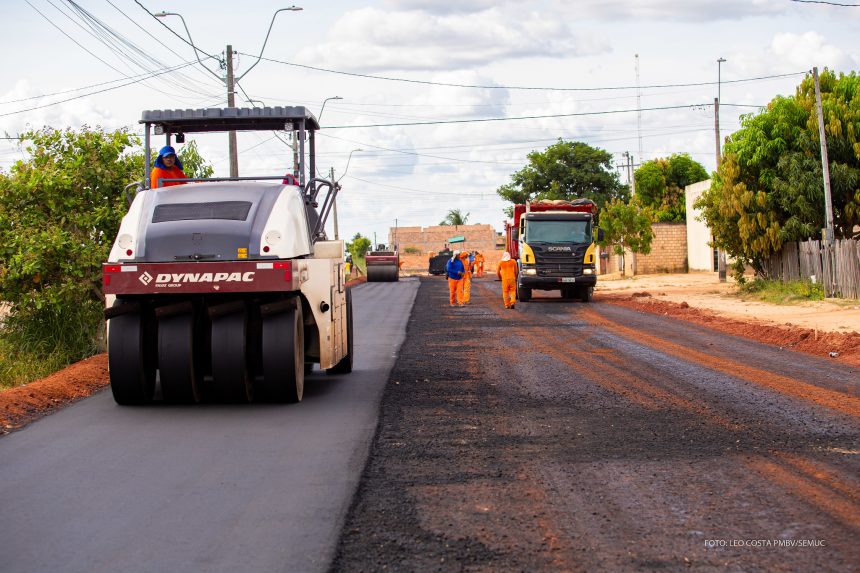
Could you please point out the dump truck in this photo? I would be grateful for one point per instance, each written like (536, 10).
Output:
(227, 288)
(553, 244)
(383, 264)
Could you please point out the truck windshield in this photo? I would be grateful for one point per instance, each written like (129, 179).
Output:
(558, 231)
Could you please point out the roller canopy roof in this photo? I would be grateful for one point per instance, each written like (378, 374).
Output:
(229, 119)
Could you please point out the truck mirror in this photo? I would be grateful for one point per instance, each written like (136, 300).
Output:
(599, 234)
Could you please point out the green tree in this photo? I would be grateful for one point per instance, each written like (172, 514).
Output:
(193, 164)
(455, 217)
(358, 247)
(565, 170)
(59, 212)
(768, 189)
(626, 226)
(660, 185)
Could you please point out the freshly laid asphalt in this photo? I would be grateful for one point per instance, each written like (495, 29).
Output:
(211, 487)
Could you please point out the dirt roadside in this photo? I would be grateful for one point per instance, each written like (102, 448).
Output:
(816, 327)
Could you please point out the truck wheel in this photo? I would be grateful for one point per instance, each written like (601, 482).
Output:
(230, 372)
(132, 357)
(524, 294)
(586, 294)
(283, 347)
(345, 364)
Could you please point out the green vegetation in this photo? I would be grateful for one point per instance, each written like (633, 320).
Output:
(626, 225)
(59, 212)
(768, 189)
(455, 217)
(412, 251)
(660, 185)
(777, 292)
(565, 170)
(358, 247)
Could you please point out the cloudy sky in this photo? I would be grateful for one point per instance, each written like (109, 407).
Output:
(445, 99)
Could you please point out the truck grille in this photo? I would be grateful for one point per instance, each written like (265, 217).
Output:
(559, 269)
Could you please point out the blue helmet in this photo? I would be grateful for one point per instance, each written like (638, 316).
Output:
(166, 150)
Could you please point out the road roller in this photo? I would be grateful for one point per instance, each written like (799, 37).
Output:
(226, 289)
(383, 264)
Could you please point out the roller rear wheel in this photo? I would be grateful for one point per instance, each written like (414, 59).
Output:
(132, 357)
(230, 364)
(177, 359)
(283, 355)
(382, 273)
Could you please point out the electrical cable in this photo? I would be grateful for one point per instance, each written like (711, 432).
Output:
(524, 88)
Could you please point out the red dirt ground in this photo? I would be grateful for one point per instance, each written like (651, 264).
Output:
(22, 405)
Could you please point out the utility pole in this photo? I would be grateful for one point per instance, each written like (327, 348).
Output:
(825, 164)
(829, 289)
(638, 108)
(231, 102)
(334, 202)
(721, 254)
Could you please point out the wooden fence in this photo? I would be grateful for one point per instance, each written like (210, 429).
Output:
(837, 267)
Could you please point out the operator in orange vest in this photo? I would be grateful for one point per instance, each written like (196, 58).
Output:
(507, 272)
(466, 285)
(167, 166)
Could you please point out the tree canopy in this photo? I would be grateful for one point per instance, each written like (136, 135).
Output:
(627, 225)
(454, 217)
(660, 185)
(769, 187)
(566, 170)
(59, 212)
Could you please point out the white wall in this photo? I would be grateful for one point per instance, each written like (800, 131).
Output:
(700, 255)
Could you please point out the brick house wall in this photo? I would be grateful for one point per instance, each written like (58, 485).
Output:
(668, 250)
(434, 239)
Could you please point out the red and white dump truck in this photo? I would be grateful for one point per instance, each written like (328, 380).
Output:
(227, 287)
(554, 245)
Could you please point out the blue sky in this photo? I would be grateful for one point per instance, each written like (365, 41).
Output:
(585, 50)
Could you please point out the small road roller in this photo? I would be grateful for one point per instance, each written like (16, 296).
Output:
(227, 288)
(383, 264)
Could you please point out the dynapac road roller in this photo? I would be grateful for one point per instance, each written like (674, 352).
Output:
(383, 264)
(227, 287)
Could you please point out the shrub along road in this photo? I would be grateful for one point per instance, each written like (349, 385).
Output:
(580, 437)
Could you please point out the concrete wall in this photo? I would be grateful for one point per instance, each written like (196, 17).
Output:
(700, 255)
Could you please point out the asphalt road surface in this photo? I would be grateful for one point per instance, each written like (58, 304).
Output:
(99, 487)
(564, 436)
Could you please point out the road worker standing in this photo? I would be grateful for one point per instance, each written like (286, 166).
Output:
(479, 264)
(467, 278)
(507, 272)
(455, 271)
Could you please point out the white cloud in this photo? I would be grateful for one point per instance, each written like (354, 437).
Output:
(670, 10)
(369, 39)
(437, 7)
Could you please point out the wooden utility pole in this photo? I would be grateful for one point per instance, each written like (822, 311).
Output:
(231, 102)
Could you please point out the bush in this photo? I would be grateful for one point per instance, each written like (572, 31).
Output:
(412, 251)
(778, 292)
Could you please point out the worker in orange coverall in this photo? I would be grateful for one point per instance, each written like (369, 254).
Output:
(467, 278)
(167, 166)
(479, 264)
(507, 272)
(455, 271)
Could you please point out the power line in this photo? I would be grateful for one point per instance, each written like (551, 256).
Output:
(524, 88)
(828, 3)
(522, 117)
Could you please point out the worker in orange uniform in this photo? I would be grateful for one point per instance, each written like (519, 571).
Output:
(479, 264)
(455, 272)
(507, 272)
(167, 166)
(466, 286)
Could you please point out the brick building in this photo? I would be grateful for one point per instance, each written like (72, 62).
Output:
(435, 238)
(668, 253)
